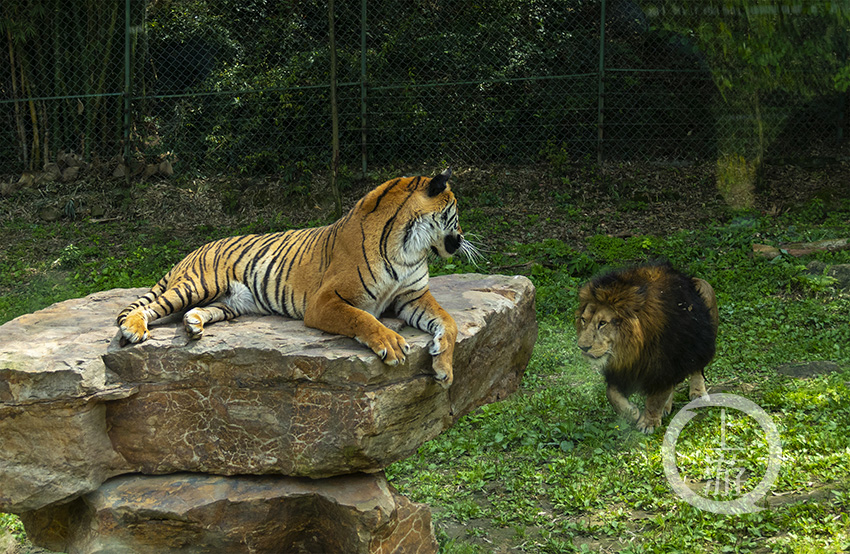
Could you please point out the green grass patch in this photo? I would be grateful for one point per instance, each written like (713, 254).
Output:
(552, 468)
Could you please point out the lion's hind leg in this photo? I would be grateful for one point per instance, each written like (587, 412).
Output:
(697, 385)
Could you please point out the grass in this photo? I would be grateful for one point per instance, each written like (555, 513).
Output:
(552, 469)
(557, 471)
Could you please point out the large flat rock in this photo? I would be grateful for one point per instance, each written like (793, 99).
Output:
(257, 395)
(268, 395)
(53, 385)
(190, 513)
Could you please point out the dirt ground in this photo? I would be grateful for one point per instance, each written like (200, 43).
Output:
(570, 204)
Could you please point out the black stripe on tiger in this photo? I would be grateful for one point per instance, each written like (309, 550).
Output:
(385, 236)
(365, 287)
(383, 194)
(406, 303)
(364, 253)
(347, 301)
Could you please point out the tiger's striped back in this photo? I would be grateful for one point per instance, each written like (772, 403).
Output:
(338, 278)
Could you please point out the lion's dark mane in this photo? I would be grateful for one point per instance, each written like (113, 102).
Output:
(666, 329)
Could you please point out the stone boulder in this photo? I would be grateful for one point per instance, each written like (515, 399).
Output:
(268, 395)
(354, 514)
(53, 388)
(257, 395)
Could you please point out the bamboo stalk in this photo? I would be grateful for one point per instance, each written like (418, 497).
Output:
(19, 121)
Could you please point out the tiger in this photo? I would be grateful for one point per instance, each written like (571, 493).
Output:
(339, 278)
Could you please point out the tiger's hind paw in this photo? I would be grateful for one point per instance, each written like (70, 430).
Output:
(193, 324)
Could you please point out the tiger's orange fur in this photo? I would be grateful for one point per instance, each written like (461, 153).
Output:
(339, 278)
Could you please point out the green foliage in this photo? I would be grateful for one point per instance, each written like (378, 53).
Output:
(140, 266)
(11, 526)
(564, 471)
(613, 250)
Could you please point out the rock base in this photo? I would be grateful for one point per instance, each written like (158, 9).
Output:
(192, 513)
(263, 436)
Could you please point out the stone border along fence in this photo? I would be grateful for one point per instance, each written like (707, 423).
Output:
(264, 435)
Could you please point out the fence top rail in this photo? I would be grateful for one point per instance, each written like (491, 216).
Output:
(68, 97)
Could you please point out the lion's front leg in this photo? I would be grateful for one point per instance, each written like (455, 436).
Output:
(658, 405)
(423, 312)
(697, 385)
(622, 405)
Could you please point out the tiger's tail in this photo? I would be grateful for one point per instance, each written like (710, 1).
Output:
(144, 300)
(158, 302)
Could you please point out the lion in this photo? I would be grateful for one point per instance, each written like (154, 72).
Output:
(646, 328)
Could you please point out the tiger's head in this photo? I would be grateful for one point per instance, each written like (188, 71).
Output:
(432, 223)
(439, 221)
(418, 216)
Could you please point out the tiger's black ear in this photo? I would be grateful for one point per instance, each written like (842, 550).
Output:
(438, 183)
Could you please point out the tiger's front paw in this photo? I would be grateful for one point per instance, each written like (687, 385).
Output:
(443, 370)
(390, 347)
(134, 329)
(442, 348)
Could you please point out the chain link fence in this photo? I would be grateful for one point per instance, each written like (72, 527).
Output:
(243, 86)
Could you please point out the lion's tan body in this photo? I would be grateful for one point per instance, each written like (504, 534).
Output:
(646, 329)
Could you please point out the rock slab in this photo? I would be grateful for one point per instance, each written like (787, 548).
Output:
(263, 436)
(191, 513)
(258, 395)
(268, 395)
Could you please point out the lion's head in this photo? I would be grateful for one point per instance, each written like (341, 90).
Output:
(614, 321)
(598, 333)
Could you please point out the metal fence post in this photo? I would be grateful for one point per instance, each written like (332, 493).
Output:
(127, 87)
(334, 112)
(600, 122)
(363, 153)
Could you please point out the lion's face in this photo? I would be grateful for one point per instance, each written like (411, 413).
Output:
(598, 333)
